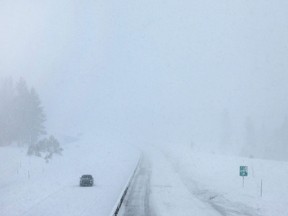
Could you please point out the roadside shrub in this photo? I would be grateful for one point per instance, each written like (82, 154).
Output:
(45, 147)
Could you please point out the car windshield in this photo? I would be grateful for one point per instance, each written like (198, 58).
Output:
(144, 107)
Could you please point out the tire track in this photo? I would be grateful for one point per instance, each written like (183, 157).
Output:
(137, 201)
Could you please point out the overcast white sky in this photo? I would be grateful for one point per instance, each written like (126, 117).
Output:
(150, 71)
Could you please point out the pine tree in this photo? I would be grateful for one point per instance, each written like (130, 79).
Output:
(21, 114)
(30, 117)
(36, 118)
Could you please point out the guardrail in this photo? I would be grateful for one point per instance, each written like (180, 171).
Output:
(120, 200)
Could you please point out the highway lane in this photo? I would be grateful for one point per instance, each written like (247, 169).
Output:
(160, 188)
(137, 200)
(156, 189)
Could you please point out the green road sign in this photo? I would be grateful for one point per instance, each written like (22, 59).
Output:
(243, 170)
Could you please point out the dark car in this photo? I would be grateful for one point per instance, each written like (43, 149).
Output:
(86, 180)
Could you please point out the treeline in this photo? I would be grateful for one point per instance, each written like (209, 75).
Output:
(22, 116)
(257, 139)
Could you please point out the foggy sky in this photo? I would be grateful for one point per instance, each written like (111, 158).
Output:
(150, 71)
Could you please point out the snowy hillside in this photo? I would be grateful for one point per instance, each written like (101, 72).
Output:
(29, 186)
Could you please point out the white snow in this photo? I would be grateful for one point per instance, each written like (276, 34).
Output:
(29, 186)
(214, 179)
(169, 196)
(182, 182)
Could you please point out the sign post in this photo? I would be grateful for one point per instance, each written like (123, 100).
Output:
(261, 188)
(243, 173)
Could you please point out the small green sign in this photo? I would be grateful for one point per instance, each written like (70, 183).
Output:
(243, 170)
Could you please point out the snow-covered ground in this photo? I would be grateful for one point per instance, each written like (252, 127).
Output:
(175, 181)
(214, 179)
(29, 186)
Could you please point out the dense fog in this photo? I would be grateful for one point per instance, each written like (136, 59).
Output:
(210, 74)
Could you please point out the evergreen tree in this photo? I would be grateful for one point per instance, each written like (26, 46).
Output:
(29, 114)
(22, 119)
(37, 118)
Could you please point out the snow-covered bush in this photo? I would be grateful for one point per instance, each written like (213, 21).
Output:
(46, 147)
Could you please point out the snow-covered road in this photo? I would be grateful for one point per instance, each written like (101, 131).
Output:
(137, 200)
(159, 189)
